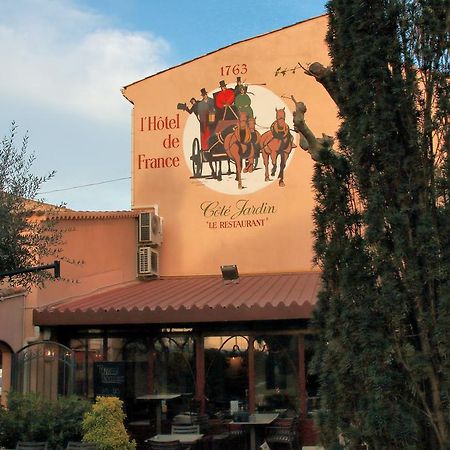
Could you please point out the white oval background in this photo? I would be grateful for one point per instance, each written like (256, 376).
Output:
(263, 104)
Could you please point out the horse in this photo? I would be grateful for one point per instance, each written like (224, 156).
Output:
(277, 141)
(238, 145)
(255, 142)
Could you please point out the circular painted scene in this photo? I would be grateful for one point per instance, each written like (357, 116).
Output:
(238, 138)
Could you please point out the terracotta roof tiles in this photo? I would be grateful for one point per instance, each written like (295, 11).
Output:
(191, 299)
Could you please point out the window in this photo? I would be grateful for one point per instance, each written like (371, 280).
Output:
(174, 364)
(276, 373)
(226, 371)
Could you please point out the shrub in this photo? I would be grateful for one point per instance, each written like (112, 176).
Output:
(31, 417)
(68, 416)
(104, 426)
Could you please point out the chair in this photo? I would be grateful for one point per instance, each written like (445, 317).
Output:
(283, 433)
(71, 445)
(202, 420)
(238, 436)
(157, 445)
(194, 405)
(21, 445)
(184, 419)
(218, 434)
(185, 429)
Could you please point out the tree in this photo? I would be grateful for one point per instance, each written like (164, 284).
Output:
(27, 234)
(382, 222)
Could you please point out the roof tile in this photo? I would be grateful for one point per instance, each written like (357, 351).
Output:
(191, 299)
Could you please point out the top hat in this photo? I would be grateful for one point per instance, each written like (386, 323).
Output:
(222, 83)
(238, 79)
(203, 91)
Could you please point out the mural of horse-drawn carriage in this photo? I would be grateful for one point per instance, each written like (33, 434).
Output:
(229, 139)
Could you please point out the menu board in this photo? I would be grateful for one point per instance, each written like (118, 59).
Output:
(109, 379)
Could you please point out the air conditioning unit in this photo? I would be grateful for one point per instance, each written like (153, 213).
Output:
(148, 261)
(150, 228)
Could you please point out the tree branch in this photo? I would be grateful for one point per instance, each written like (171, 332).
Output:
(325, 76)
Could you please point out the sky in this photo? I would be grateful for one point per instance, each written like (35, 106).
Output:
(64, 62)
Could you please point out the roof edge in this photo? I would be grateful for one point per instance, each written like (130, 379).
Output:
(81, 215)
(217, 50)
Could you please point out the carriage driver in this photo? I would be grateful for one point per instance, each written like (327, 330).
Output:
(224, 101)
(205, 112)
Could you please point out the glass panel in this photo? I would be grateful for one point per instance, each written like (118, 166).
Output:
(87, 352)
(136, 353)
(79, 350)
(174, 365)
(132, 353)
(276, 374)
(114, 351)
(226, 371)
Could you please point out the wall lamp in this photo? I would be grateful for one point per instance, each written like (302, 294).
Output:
(230, 273)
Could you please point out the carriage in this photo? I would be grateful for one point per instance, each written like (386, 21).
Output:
(233, 138)
(215, 153)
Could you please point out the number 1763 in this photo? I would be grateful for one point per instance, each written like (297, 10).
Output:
(237, 69)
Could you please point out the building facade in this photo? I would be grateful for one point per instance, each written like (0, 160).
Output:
(219, 182)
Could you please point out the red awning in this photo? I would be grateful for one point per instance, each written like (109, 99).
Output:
(195, 299)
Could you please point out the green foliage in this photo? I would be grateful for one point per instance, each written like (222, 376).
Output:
(24, 242)
(30, 417)
(382, 229)
(104, 425)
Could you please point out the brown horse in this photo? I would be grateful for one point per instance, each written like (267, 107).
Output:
(238, 146)
(255, 141)
(277, 141)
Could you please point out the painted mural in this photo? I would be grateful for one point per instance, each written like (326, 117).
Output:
(214, 148)
(238, 137)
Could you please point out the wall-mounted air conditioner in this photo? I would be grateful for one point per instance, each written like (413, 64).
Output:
(148, 261)
(150, 228)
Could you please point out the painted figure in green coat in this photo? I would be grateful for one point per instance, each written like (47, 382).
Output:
(243, 102)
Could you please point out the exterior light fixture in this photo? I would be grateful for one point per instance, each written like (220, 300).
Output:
(230, 273)
(49, 354)
(236, 351)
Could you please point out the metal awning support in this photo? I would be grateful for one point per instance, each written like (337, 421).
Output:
(56, 266)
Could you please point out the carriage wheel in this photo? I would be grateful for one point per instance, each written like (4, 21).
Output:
(196, 158)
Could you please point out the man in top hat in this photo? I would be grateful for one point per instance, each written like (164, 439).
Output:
(237, 88)
(206, 117)
(224, 100)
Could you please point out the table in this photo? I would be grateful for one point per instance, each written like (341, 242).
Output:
(255, 420)
(183, 438)
(159, 398)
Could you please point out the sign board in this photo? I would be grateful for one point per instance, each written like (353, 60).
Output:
(109, 379)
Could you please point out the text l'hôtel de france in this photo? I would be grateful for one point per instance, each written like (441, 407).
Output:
(169, 141)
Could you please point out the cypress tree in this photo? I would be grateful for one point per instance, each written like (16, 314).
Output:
(382, 226)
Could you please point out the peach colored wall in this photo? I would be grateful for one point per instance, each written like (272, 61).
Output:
(11, 321)
(107, 248)
(6, 373)
(275, 241)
